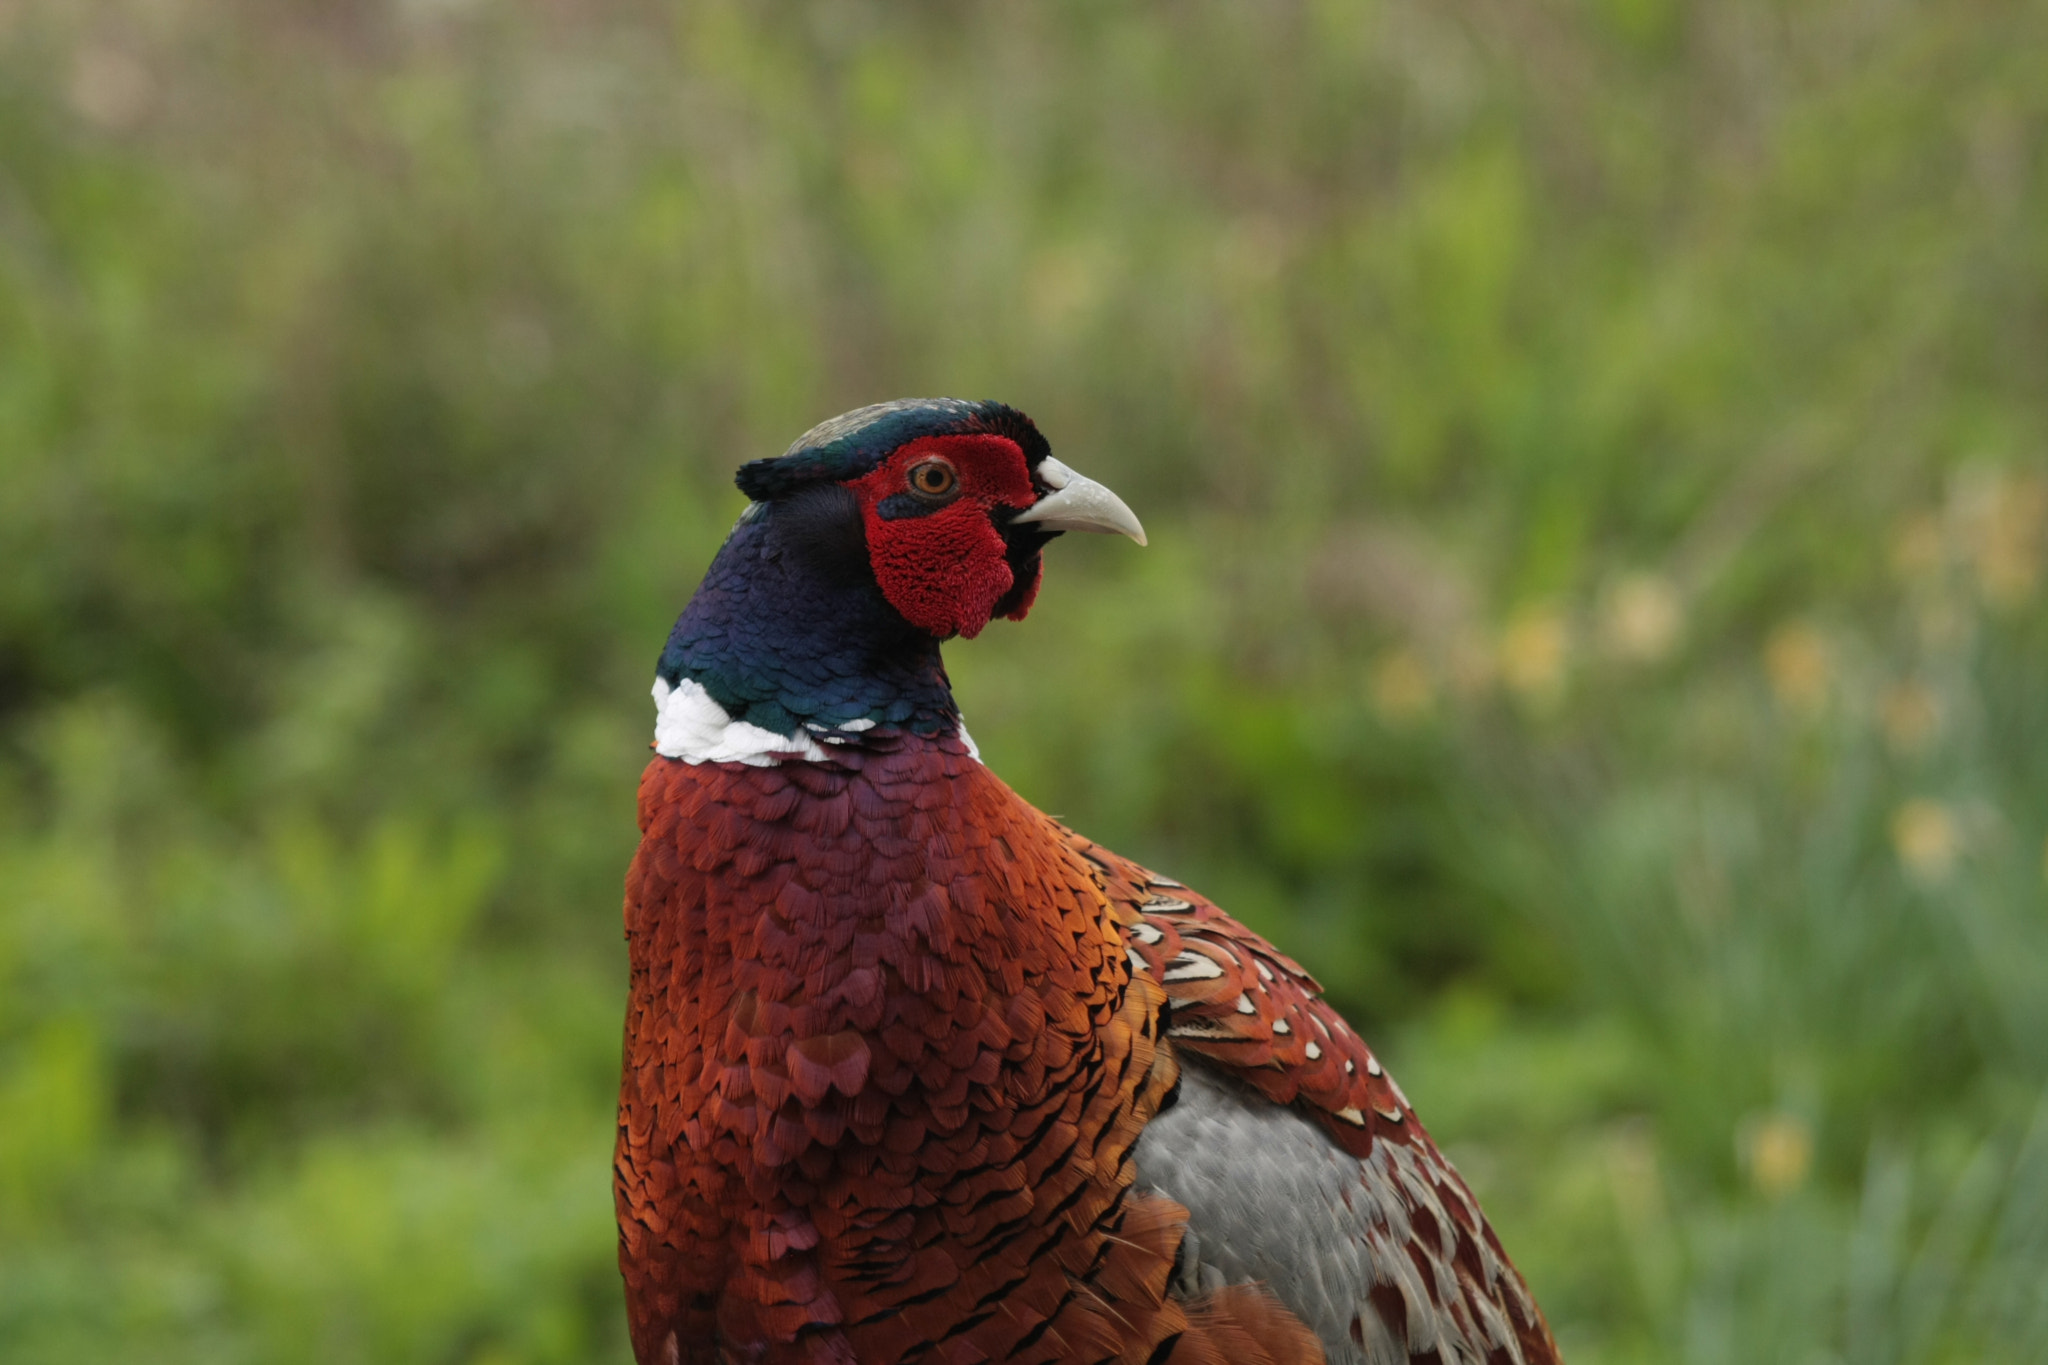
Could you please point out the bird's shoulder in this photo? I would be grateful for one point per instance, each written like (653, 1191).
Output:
(1239, 1002)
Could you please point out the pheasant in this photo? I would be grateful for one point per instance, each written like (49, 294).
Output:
(912, 1071)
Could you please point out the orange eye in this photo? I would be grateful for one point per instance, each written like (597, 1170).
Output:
(933, 478)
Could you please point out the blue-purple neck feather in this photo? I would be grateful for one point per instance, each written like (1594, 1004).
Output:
(789, 626)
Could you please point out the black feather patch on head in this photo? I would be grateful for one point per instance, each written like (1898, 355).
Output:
(853, 443)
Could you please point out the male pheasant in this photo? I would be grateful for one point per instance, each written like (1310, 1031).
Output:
(913, 1072)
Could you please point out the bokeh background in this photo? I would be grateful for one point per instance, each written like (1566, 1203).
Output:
(1596, 456)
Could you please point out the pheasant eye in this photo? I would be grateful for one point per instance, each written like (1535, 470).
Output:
(933, 478)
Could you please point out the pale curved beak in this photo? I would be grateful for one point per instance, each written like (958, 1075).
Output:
(1078, 503)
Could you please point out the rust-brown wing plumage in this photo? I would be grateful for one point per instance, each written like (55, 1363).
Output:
(1362, 1228)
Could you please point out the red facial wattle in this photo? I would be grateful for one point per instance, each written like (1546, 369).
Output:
(945, 567)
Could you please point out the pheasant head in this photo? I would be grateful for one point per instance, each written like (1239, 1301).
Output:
(877, 535)
(954, 500)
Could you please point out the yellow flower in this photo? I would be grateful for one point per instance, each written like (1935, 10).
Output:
(1641, 617)
(1533, 653)
(2008, 550)
(1926, 838)
(1778, 1149)
(1401, 687)
(1796, 658)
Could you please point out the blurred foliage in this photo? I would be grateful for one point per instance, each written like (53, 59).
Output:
(1596, 453)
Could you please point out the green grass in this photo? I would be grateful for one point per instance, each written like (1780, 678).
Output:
(1597, 466)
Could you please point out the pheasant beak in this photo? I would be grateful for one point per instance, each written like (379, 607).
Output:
(1078, 503)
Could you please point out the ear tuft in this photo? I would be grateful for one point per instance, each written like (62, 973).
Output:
(771, 478)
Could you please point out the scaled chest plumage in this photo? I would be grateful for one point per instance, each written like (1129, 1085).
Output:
(888, 1060)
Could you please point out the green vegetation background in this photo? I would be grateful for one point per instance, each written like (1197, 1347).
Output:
(1596, 455)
